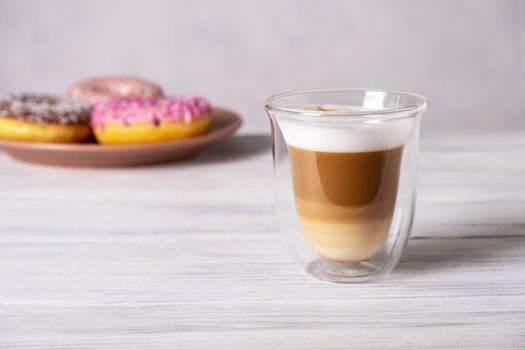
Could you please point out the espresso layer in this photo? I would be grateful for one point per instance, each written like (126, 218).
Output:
(345, 200)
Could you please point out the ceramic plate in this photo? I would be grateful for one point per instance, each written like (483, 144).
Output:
(224, 125)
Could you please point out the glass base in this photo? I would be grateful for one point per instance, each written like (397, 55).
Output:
(342, 273)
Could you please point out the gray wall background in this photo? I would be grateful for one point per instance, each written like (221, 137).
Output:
(465, 55)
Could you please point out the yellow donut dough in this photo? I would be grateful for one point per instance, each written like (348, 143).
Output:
(142, 132)
(55, 133)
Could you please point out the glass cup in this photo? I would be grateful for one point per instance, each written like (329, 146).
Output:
(345, 163)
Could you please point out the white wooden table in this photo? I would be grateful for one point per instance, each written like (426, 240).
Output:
(188, 256)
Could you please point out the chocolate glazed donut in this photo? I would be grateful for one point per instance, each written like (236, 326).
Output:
(43, 118)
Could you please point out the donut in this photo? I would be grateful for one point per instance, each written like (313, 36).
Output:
(137, 120)
(43, 118)
(106, 88)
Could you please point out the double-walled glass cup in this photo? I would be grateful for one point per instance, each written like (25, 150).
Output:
(345, 164)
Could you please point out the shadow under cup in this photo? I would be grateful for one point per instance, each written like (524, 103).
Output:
(345, 166)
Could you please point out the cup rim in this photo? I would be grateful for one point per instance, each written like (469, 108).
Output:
(408, 111)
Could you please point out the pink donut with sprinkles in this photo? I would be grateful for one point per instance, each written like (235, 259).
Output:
(150, 119)
(109, 87)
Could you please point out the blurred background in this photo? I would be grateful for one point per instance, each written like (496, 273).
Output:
(467, 56)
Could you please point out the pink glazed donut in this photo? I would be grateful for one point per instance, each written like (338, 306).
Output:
(106, 88)
(153, 119)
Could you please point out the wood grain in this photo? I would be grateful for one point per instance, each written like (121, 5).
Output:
(189, 256)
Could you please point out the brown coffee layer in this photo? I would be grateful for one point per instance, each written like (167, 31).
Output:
(347, 180)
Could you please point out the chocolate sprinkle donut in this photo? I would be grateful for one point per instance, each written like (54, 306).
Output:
(44, 109)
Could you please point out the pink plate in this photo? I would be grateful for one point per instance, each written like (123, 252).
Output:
(224, 125)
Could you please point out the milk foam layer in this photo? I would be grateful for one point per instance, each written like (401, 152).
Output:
(363, 137)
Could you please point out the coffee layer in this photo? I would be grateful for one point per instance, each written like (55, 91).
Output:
(345, 201)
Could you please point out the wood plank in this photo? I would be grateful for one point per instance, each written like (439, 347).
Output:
(189, 256)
